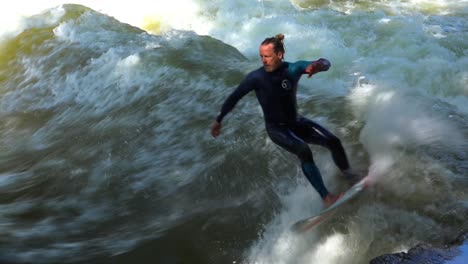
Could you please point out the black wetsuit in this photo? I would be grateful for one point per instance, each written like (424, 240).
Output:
(276, 93)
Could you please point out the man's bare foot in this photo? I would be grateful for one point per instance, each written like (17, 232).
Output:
(331, 199)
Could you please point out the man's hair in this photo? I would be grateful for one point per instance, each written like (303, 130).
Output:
(277, 41)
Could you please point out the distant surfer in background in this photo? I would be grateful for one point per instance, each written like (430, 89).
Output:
(275, 86)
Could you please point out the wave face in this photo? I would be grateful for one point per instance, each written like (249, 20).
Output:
(106, 154)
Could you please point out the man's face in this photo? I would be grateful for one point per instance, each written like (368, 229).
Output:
(271, 61)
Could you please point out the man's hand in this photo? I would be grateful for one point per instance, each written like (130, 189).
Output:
(313, 68)
(215, 129)
(317, 66)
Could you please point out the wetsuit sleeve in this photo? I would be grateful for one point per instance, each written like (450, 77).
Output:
(245, 87)
(299, 67)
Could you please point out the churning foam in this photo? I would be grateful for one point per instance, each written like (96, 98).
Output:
(153, 16)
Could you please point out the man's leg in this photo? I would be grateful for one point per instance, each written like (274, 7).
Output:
(314, 133)
(284, 137)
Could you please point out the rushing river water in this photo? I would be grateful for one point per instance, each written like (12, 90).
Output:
(105, 110)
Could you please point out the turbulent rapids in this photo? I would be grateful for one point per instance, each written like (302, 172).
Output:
(106, 154)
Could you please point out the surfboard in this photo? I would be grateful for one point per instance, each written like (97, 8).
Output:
(314, 221)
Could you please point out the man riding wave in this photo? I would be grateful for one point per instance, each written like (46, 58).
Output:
(275, 85)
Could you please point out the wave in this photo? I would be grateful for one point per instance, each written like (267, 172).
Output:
(105, 142)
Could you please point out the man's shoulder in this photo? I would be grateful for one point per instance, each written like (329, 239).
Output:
(255, 74)
(259, 71)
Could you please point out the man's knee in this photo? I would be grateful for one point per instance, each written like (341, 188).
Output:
(304, 153)
(334, 142)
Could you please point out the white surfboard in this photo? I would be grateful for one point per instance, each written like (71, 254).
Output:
(314, 221)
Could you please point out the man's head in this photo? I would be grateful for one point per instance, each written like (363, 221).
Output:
(272, 52)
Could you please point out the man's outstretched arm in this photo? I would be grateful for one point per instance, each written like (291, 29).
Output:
(244, 88)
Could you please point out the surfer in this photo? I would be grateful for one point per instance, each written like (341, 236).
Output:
(275, 85)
